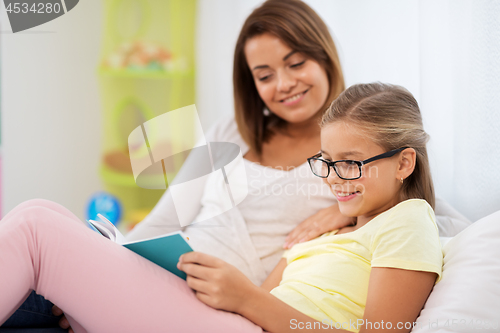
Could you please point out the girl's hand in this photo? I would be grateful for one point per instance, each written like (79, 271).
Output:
(325, 220)
(216, 283)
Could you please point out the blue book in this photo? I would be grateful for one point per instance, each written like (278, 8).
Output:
(163, 250)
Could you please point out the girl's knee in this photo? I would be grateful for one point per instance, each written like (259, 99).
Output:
(39, 216)
(27, 204)
(50, 205)
(35, 203)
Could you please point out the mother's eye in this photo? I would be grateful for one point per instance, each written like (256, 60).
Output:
(264, 78)
(298, 64)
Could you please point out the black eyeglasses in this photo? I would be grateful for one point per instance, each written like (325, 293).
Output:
(345, 169)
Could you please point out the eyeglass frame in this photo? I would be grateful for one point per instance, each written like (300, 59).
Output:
(331, 164)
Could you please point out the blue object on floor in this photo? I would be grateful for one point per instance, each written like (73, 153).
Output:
(105, 204)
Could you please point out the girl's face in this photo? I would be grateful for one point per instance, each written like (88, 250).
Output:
(378, 188)
(291, 85)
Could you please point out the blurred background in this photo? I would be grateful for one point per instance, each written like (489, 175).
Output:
(74, 88)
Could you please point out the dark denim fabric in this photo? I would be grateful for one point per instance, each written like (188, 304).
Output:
(36, 311)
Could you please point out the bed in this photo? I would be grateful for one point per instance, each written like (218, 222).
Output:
(467, 299)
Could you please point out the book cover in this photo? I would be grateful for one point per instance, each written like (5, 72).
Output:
(163, 250)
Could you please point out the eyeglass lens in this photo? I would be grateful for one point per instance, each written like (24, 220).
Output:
(347, 170)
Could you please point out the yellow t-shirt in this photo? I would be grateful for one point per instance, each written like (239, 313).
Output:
(327, 277)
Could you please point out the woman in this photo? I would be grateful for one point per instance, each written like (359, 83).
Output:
(286, 72)
(377, 274)
(273, 134)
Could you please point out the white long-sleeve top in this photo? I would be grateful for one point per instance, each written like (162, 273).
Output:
(251, 236)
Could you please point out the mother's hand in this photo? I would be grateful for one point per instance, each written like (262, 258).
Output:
(63, 322)
(216, 283)
(325, 220)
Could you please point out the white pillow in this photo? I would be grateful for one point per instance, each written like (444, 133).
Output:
(449, 221)
(444, 240)
(467, 299)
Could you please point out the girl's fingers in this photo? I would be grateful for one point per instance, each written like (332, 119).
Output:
(204, 298)
(200, 258)
(198, 271)
(198, 284)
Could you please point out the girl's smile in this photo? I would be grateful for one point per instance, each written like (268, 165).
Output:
(375, 191)
(346, 196)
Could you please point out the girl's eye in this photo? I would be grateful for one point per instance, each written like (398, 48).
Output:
(298, 64)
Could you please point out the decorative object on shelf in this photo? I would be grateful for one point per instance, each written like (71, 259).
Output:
(144, 56)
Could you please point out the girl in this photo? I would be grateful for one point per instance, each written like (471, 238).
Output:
(376, 274)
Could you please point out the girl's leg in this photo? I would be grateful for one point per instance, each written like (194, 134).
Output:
(43, 203)
(100, 285)
(36, 311)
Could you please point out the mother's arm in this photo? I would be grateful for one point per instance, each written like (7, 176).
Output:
(325, 220)
(163, 218)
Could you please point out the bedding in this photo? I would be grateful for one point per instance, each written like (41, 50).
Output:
(467, 299)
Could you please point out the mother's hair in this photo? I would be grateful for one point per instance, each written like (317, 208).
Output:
(299, 27)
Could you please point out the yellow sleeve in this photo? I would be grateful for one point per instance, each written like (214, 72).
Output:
(409, 239)
(285, 255)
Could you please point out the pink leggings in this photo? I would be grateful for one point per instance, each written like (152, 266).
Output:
(101, 286)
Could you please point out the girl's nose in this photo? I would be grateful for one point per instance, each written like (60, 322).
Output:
(333, 178)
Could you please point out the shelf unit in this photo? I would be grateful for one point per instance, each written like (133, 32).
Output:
(132, 95)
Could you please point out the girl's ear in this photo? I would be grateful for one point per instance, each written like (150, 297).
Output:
(407, 162)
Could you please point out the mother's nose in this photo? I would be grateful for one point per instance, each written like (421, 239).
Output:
(286, 81)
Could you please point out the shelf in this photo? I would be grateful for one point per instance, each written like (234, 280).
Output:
(127, 179)
(144, 74)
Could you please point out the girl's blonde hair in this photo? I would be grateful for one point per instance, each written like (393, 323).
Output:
(390, 116)
(299, 27)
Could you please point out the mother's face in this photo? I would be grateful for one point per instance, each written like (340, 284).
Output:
(293, 86)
